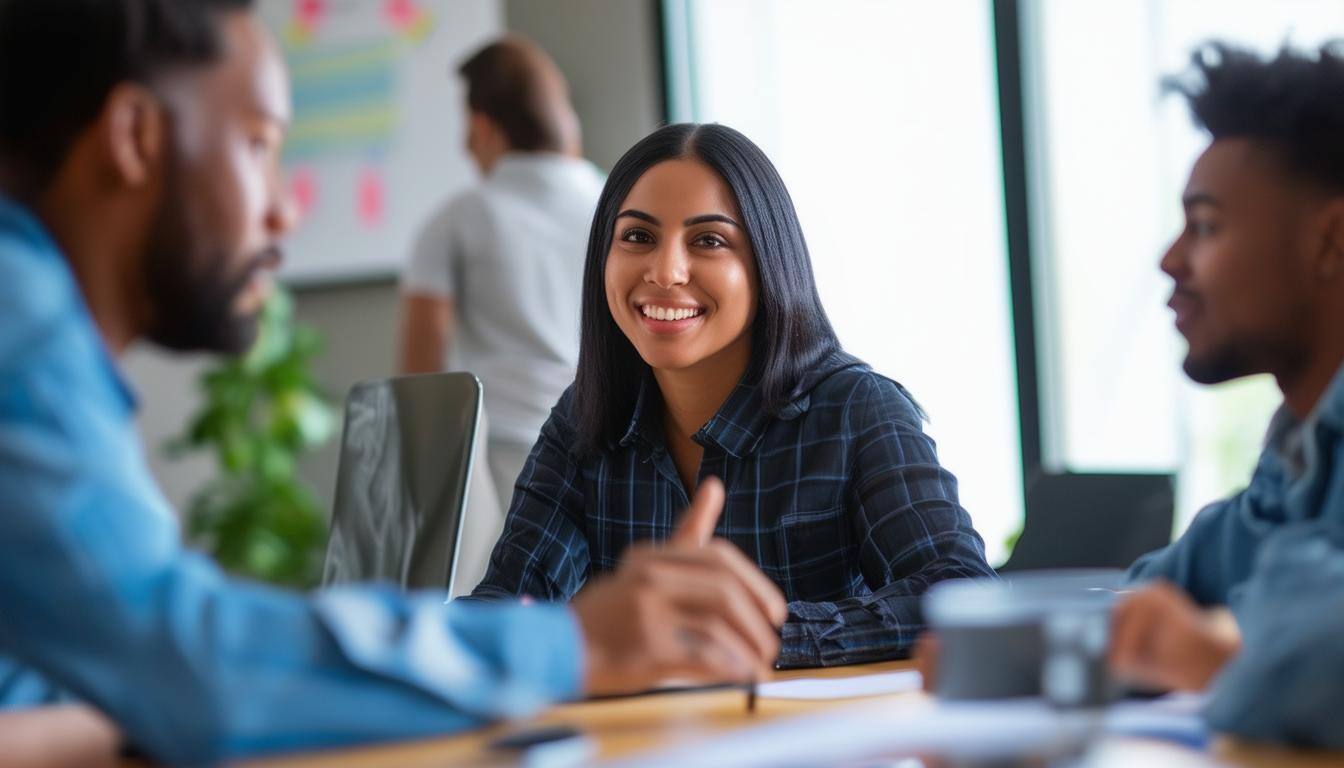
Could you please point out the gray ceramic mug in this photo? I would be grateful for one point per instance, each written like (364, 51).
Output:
(1032, 633)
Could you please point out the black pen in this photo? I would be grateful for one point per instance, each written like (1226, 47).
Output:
(667, 690)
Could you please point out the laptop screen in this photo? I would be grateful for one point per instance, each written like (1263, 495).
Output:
(401, 486)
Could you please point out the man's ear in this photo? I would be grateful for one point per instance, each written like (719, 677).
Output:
(491, 131)
(132, 133)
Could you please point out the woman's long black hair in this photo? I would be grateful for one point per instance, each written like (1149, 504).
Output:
(790, 334)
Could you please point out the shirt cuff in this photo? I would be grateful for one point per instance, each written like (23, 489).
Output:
(797, 647)
(489, 660)
(563, 663)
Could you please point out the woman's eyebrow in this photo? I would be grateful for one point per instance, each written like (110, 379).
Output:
(708, 217)
(636, 214)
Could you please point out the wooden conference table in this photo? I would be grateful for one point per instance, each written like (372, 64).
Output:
(628, 726)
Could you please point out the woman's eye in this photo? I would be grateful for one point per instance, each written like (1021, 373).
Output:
(711, 241)
(1202, 228)
(636, 236)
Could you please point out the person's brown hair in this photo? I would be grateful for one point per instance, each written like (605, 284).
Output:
(515, 83)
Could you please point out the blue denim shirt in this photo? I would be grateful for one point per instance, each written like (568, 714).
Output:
(1287, 684)
(839, 499)
(1272, 553)
(99, 599)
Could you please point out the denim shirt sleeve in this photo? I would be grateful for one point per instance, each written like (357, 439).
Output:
(1285, 684)
(542, 552)
(913, 533)
(99, 598)
(1214, 554)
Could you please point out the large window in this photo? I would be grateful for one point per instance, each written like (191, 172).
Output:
(883, 119)
(1108, 159)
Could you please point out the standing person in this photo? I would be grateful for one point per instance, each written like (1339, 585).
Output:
(141, 198)
(1258, 274)
(706, 352)
(493, 284)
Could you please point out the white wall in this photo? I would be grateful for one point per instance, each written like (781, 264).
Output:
(609, 51)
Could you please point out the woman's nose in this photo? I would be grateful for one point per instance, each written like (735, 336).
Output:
(668, 267)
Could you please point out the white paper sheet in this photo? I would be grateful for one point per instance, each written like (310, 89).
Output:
(818, 688)
(1175, 717)
(884, 727)
(969, 730)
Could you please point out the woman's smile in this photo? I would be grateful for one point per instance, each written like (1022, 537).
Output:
(667, 318)
(680, 273)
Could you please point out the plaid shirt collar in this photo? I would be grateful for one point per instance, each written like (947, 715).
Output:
(737, 427)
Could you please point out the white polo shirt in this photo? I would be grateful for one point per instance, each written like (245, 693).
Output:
(510, 253)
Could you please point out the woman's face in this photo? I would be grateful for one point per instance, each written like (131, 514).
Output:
(680, 276)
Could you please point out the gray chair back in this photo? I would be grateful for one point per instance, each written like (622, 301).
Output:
(1093, 520)
(402, 482)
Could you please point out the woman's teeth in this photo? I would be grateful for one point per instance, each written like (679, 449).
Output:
(669, 313)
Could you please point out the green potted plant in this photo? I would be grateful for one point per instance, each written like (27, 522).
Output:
(261, 412)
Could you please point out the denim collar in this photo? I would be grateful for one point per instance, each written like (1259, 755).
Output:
(19, 223)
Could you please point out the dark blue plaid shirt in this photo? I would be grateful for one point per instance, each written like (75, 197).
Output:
(840, 500)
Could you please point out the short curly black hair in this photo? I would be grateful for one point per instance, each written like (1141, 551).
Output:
(59, 59)
(1293, 102)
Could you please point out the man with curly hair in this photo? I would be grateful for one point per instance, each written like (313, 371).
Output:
(1258, 274)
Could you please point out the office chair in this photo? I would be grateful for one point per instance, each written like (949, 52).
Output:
(1093, 520)
(402, 482)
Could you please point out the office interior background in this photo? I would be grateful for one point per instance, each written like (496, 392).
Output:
(986, 187)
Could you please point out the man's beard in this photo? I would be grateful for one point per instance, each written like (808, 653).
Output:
(1277, 354)
(1223, 365)
(192, 291)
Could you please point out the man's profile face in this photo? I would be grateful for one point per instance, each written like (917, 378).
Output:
(224, 205)
(1242, 265)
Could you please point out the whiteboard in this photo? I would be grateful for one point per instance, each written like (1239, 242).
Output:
(378, 136)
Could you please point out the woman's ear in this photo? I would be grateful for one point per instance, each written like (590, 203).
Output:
(132, 134)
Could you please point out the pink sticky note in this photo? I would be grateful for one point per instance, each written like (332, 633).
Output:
(370, 197)
(401, 14)
(308, 13)
(303, 186)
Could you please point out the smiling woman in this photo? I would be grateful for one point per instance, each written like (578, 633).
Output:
(706, 352)
(682, 289)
